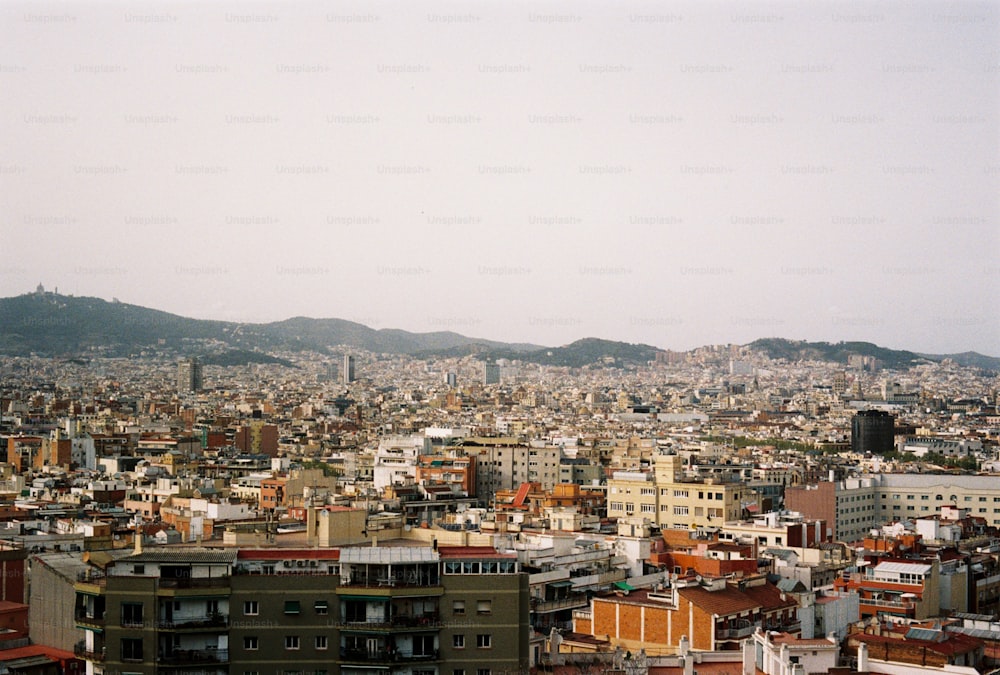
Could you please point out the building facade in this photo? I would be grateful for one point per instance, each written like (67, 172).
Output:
(409, 610)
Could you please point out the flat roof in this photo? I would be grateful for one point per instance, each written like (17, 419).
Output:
(903, 567)
(385, 555)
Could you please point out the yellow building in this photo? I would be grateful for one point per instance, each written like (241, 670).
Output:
(671, 500)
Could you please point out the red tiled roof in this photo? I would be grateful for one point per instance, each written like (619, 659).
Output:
(36, 650)
(722, 602)
(8, 606)
(289, 554)
(769, 597)
(954, 643)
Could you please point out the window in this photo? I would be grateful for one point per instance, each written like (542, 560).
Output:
(131, 613)
(680, 493)
(291, 606)
(458, 641)
(138, 569)
(483, 671)
(423, 645)
(680, 510)
(484, 607)
(458, 607)
(321, 607)
(131, 649)
(924, 498)
(321, 642)
(250, 642)
(484, 640)
(251, 608)
(251, 672)
(458, 671)
(291, 642)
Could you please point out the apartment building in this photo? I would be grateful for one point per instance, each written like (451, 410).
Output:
(897, 587)
(407, 610)
(854, 506)
(672, 500)
(395, 460)
(506, 463)
(850, 507)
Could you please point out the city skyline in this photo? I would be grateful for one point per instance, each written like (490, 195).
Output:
(677, 175)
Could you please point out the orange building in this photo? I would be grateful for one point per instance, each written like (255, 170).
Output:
(445, 470)
(713, 615)
(23, 452)
(272, 492)
(707, 558)
(531, 498)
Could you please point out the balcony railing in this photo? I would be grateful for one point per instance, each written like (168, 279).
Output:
(385, 656)
(889, 604)
(195, 582)
(80, 649)
(85, 619)
(429, 621)
(543, 606)
(734, 633)
(183, 657)
(206, 621)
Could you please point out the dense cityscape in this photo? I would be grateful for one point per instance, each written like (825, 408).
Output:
(357, 512)
(557, 337)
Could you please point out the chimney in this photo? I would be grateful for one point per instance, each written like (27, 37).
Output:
(684, 647)
(749, 661)
(862, 658)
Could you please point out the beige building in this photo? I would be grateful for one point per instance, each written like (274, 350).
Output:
(672, 500)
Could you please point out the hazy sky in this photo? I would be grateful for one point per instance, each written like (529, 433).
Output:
(671, 173)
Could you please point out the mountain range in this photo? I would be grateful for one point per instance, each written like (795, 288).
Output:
(50, 324)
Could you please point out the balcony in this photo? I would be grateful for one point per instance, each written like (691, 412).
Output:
(85, 620)
(80, 649)
(383, 656)
(789, 627)
(386, 589)
(734, 633)
(889, 604)
(192, 657)
(545, 606)
(423, 622)
(193, 586)
(195, 622)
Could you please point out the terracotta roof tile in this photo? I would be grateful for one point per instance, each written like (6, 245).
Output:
(723, 602)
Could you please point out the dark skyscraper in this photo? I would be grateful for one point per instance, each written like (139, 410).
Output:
(189, 375)
(348, 373)
(872, 431)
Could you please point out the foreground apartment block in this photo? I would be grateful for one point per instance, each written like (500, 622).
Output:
(411, 610)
